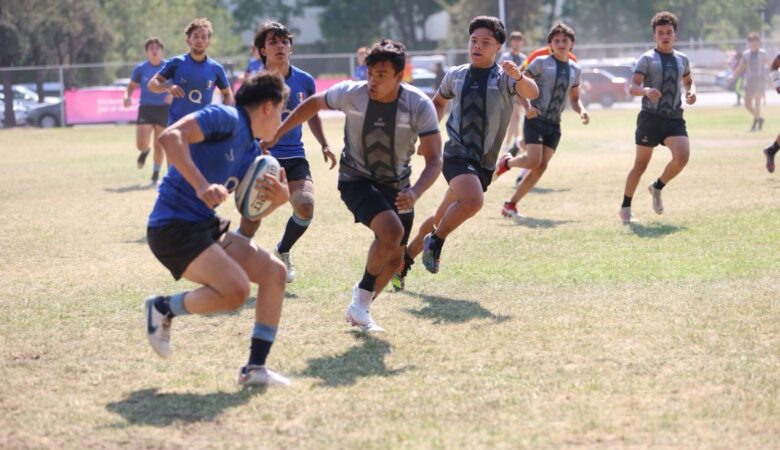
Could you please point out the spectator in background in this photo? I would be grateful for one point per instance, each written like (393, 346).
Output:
(255, 63)
(152, 109)
(361, 71)
(515, 54)
(754, 65)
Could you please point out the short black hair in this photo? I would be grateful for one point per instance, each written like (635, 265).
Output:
(664, 18)
(493, 24)
(274, 28)
(153, 40)
(388, 50)
(516, 35)
(560, 28)
(753, 37)
(260, 88)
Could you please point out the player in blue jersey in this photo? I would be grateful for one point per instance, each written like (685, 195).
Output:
(191, 78)
(274, 41)
(483, 99)
(209, 151)
(152, 109)
(384, 119)
(658, 77)
(361, 70)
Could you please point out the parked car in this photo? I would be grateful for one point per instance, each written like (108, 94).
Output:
(26, 97)
(45, 115)
(50, 89)
(619, 70)
(601, 86)
(20, 113)
(424, 80)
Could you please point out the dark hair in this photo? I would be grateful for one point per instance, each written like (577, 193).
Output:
(753, 37)
(153, 40)
(491, 23)
(198, 23)
(664, 18)
(262, 87)
(388, 50)
(272, 28)
(560, 28)
(515, 35)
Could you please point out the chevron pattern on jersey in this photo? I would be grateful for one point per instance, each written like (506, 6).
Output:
(558, 95)
(380, 154)
(472, 128)
(669, 85)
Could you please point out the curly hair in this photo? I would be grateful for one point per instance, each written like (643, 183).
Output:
(664, 18)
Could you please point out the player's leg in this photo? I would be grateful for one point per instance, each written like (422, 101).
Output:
(416, 245)
(514, 125)
(680, 148)
(302, 201)
(641, 160)
(769, 154)
(143, 133)
(530, 179)
(531, 160)
(752, 104)
(159, 155)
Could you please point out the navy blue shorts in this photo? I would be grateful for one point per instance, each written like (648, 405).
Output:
(539, 131)
(153, 115)
(177, 243)
(652, 129)
(458, 166)
(366, 199)
(296, 168)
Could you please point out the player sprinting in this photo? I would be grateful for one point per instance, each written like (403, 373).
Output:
(753, 65)
(482, 93)
(208, 150)
(384, 118)
(771, 151)
(152, 108)
(658, 77)
(558, 78)
(274, 42)
(190, 78)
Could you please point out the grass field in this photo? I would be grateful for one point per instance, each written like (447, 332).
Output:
(565, 330)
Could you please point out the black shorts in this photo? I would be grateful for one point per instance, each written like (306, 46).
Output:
(153, 115)
(365, 199)
(652, 129)
(177, 243)
(296, 168)
(459, 166)
(539, 131)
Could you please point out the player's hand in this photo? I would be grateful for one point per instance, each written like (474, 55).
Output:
(690, 98)
(585, 117)
(532, 112)
(511, 69)
(213, 194)
(265, 145)
(176, 91)
(653, 94)
(405, 199)
(127, 102)
(275, 189)
(327, 154)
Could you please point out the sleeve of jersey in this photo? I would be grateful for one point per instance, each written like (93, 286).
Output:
(335, 95)
(249, 158)
(136, 75)
(427, 120)
(310, 86)
(445, 88)
(169, 69)
(215, 122)
(641, 65)
(578, 78)
(222, 81)
(686, 67)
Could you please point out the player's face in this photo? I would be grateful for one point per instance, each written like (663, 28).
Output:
(754, 45)
(516, 44)
(483, 48)
(383, 82)
(154, 52)
(361, 57)
(198, 41)
(561, 45)
(664, 37)
(277, 49)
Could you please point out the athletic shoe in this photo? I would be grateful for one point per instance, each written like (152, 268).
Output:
(142, 159)
(509, 210)
(359, 317)
(770, 160)
(399, 277)
(625, 215)
(658, 203)
(431, 254)
(155, 177)
(158, 328)
(260, 376)
(285, 257)
(502, 166)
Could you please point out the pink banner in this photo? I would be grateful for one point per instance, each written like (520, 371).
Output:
(99, 105)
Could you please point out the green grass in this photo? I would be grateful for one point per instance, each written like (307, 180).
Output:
(564, 330)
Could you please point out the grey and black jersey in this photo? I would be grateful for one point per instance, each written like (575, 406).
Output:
(518, 59)
(379, 138)
(756, 69)
(555, 80)
(665, 72)
(481, 108)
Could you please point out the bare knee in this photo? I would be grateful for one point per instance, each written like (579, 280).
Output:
(389, 235)
(305, 211)
(235, 292)
(472, 204)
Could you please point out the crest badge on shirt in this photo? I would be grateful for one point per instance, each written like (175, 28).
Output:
(210, 84)
(301, 97)
(404, 118)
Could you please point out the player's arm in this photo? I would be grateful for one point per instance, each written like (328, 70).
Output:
(775, 64)
(525, 87)
(159, 85)
(739, 70)
(315, 125)
(637, 88)
(227, 96)
(690, 89)
(430, 149)
(129, 93)
(524, 102)
(440, 104)
(302, 113)
(577, 106)
(774, 74)
(176, 141)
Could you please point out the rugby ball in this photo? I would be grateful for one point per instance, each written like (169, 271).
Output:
(250, 200)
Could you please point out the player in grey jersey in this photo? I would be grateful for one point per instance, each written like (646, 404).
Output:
(384, 118)
(480, 115)
(558, 77)
(753, 64)
(515, 54)
(658, 76)
(770, 151)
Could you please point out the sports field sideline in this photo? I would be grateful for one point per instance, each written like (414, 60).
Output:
(566, 329)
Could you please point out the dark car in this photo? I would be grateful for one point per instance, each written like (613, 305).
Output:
(601, 86)
(47, 115)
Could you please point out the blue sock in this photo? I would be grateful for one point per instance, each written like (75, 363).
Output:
(263, 337)
(177, 304)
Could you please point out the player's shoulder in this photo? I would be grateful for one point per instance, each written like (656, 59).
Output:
(220, 112)
(650, 54)
(413, 93)
(300, 74)
(575, 65)
(458, 71)
(214, 63)
(179, 59)
(680, 54)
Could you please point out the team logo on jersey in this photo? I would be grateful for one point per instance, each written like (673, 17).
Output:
(229, 155)
(209, 84)
(301, 96)
(380, 123)
(195, 96)
(404, 118)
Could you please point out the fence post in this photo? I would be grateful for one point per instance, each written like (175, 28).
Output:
(62, 96)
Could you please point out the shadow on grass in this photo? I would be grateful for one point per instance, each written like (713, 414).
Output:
(132, 188)
(447, 310)
(541, 190)
(531, 222)
(141, 241)
(365, 360)
(149, 407)
(654, 230)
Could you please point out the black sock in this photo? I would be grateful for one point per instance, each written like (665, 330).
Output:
(368, 282)
(659, 184)
(258, 351)
(163, 304)
(626, 202)
(408, 260)
(773, 148)
(436, 239)
(292, 233)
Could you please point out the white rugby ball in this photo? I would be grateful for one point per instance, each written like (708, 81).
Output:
(250, 200)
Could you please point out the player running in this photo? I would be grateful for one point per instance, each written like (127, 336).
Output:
(753, 65)
(771, 151)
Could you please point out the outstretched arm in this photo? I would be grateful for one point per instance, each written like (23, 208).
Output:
(303, 112)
